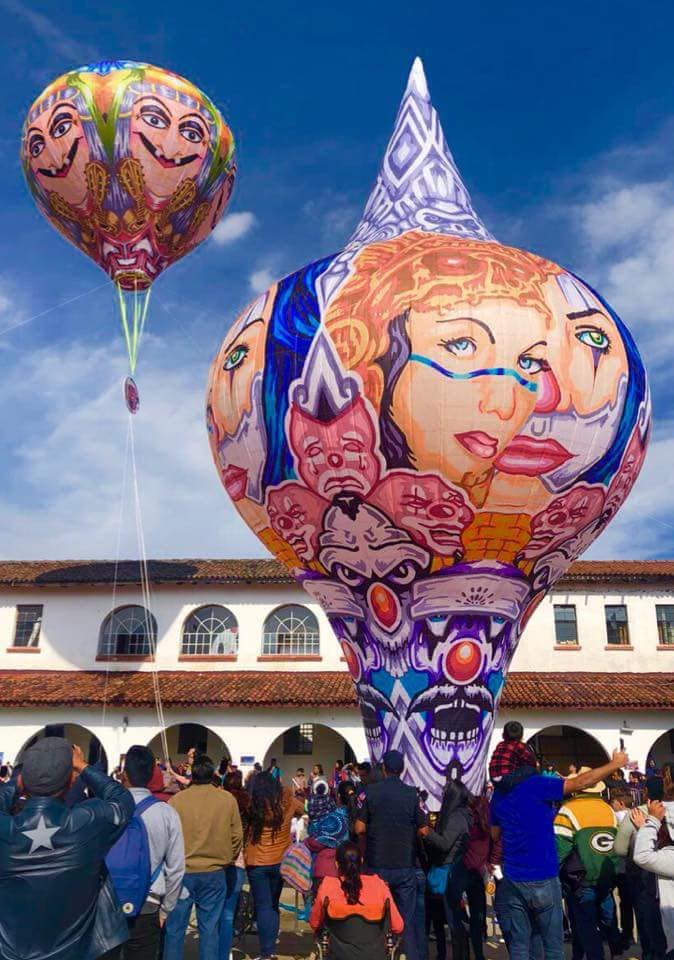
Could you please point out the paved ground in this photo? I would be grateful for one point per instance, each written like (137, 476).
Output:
(297, 942)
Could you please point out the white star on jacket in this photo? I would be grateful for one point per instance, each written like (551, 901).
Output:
(40, 836)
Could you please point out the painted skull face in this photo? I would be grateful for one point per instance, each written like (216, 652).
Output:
(378, 562)
(295, 514)
(132, 262)
(434, 513)
(57, 152)
(468, 636)
(564, 518)
(336, 456)
(171, 141)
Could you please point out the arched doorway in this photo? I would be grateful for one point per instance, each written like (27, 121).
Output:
(76, 735)
(663, 749)
(307, 744)
(562, 745)
(180, 737)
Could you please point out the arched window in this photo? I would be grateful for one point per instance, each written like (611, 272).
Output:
(291, 631)
(128, 631)
(210, 631)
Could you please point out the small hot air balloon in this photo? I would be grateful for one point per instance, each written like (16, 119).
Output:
(427, 428)
(135, 166)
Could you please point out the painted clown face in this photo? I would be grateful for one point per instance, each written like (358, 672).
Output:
(57, 151)
(295, 514)
(336, 456)
(378, 562)
(430, 510)
(170, 140)
(468, 621)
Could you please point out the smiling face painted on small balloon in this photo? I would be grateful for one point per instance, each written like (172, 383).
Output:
(171, 141)
(56, 150)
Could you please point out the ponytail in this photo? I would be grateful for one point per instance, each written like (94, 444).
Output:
(349, 865)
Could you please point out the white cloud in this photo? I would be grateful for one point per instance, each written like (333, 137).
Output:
(260, 279)
(62, 488)
(233, 227)
(628, 231)
(644, 526)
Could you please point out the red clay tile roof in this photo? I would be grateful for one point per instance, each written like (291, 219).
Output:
(45, 573)
(221, 689)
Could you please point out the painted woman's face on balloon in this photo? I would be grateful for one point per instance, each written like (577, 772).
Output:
(57, 151)
(169, 139)
(482, 362)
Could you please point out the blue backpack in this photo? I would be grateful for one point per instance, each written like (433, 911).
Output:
(128, 863)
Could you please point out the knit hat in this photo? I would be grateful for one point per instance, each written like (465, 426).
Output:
(47, 767)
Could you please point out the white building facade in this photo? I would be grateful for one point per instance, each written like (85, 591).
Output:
(232, 657)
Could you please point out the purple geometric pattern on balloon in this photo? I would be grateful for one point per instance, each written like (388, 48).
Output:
(418, 186)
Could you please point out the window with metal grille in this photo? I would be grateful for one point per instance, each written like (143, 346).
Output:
(617, 627)
(28, 625)
(566, 628)
(664, 613)
(291, 631)
(299, 741)
(129, 631)
(210, 631)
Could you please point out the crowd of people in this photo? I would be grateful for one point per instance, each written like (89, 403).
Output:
(96, 866)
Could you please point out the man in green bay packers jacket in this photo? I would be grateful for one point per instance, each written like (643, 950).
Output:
(585, 829)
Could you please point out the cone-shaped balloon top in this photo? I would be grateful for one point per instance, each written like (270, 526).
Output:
(418, 186)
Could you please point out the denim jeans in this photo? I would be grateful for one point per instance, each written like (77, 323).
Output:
(420, 915)
(402, 883)
(592, 915)
(525, 909)
(456, 883)
(207, 891)
(266, 885)
(235, 877)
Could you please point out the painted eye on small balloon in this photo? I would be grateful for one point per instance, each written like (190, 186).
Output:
(235, 357)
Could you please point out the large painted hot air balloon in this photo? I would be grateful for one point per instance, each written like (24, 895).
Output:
(427, 428)
(132, 164)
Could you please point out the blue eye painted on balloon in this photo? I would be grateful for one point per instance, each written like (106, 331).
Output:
(531, 365)
(460, 346)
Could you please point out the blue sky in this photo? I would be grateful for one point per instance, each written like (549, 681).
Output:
(561, 120)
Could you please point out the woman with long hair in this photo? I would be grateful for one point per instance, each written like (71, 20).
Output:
(236, 874)
(447, 844)
(353, 893)
(269, 817)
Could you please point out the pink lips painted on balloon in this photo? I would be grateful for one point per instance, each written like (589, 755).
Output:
(530, 457)
(479, 443)
(235, 480)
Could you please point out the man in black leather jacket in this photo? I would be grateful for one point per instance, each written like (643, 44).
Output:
(56, 900)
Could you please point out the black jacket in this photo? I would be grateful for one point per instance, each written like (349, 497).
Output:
(56, 899)
(450, 840)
